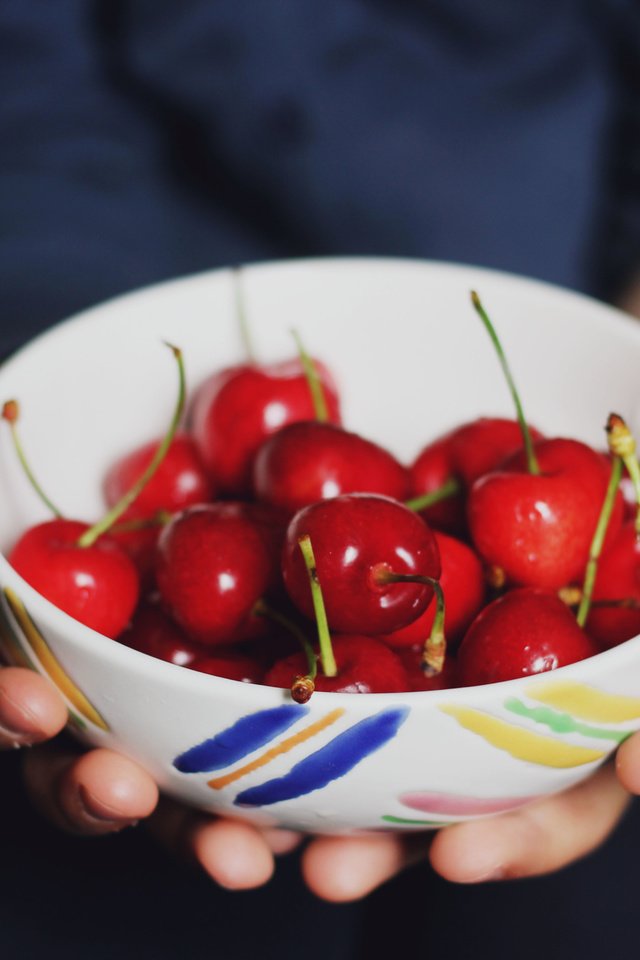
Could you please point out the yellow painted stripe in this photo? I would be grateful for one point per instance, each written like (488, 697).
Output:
(11, 647)
(51, 665)
(585, 702)
(219, 782)
(522, 744)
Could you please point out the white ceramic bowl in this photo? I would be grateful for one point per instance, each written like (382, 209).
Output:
(411, 359)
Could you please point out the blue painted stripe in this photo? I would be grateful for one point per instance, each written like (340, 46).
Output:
(243, 737)
(330, 762)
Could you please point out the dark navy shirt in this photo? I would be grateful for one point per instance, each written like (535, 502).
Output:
(145, 139)
(141, 140)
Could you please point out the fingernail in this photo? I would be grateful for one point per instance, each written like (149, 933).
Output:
(14, 738)
(497, 872)
(94, 810)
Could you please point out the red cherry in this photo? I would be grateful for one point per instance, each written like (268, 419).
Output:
(359, 540)
(97, 585)
(179, 481)
(237, 408)
(463, 584)
(311, 461)
(463, 454)
(140, 546)
(364, 666)
(233, 666)
(153, 633)
(212, 568)
(617, 578)
(526, 631)
(430, 471)
(538, 528)
(412, 660)
(482, 445)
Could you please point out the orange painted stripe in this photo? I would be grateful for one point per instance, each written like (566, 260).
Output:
(219, 782)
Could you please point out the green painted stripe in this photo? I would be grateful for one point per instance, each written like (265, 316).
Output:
(417, 823)
(563, 722)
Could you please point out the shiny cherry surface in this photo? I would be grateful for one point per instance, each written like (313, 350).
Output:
(97, 585)
(238, 407)
(538, 528)
(152, 632)
(365, 665)
(525, 632)
(357, 539)
(179, 481)
(311, 461)
(213, 566)
(463, 584)
(618, 578)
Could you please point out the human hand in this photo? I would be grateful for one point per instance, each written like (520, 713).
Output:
(101, 792)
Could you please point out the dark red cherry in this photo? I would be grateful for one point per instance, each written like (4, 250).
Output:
(481, 445)
(238, 407)
(617, 579)
(360, 541)
(152, 632)
(430, 471)
(525, 632)
(364, 666)
(311, 461)
(463, 584)
(233, 666)
(412, 660)
(97, 585)
(463, 455)
(180, 481)
(213, 566)
(538, 528)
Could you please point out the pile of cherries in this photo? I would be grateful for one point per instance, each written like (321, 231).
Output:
(264, 542)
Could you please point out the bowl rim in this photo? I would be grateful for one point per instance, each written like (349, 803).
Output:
(110, 649)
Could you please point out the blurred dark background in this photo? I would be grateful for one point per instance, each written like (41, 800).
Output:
(144, 140)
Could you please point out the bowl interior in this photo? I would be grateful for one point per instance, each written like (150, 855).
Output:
(410, 356)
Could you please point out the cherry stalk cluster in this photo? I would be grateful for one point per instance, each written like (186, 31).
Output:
(262, 541)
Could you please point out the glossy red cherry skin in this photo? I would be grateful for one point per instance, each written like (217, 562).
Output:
(97, 585)
(152, 632)
(311, 461)
(526, 631)
(356, 539)
(431, 469)
(463, 584)
(538, 529)
(411, 658)
(364, 666)
(465, 454)
(212, 568)
(618, 578)
(238, 407)
(481, 445)
(233, 666)
(180, 481)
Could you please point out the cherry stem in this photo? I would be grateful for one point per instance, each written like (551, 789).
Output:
(160, 519)
(532, 463)
(303, 686)
(435, 646)
(622, 444)
(241, 313)
(449, 488)
(598, 540)
(316, 389)
(90, 536)
(11, 413)
(327, 659)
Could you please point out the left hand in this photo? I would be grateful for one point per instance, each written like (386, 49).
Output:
(101, 791)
